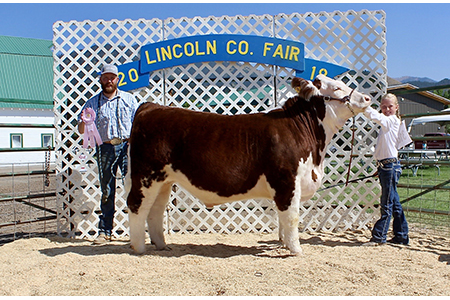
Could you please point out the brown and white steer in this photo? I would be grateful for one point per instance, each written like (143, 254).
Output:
(277, 155)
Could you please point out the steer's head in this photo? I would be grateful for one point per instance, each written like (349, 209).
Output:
(342, 102)
(338, 90)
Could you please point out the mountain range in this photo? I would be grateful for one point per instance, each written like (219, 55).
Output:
(422, 82)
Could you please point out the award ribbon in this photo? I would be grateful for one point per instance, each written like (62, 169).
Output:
(91, 135)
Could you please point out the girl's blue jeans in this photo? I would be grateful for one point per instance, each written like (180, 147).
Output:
(109, 159)
(390, 206)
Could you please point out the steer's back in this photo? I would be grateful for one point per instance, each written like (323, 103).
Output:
(206, 147)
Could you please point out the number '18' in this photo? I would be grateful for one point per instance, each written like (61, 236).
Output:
(322, 71)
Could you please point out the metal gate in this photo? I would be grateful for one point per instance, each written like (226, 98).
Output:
(356, 40)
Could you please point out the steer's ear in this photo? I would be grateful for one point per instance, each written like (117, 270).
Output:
(298, 83)
(304, 88)
(317, 83)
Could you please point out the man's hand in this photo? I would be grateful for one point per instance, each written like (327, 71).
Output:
(81, 124)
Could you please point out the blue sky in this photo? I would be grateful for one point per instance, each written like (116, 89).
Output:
(418, 34)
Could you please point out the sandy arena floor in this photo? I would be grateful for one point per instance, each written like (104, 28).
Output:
(229, 265)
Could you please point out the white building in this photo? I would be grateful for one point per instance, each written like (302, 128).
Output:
(26, 100)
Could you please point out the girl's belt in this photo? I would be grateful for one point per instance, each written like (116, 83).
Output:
(387, 161)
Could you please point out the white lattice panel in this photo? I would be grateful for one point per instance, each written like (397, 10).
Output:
(352, 39)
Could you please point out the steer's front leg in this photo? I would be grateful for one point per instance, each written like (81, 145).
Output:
(137, 231)
(137, 220)
(288, 226)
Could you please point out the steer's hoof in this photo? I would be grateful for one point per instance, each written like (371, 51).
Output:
(164, 248)
(138, 249)
(297, 253)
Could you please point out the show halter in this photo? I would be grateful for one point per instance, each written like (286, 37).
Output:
(345, 100)
(91, 135)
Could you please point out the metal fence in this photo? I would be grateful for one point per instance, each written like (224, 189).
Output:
(27, 200)
(424, 186)
(27, 193)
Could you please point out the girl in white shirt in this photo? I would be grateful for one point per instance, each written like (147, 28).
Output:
(389, 171)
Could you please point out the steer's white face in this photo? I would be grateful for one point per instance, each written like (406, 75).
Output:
(338, 90)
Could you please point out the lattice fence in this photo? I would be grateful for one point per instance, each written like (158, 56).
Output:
(356, 40)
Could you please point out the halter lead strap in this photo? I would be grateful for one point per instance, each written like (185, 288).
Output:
(346, 100)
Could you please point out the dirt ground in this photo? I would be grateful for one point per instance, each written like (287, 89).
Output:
(229, 265)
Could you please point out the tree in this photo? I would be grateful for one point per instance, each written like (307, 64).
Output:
(443, 93)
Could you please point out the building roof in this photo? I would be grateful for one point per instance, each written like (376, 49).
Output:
(26, 73)
(25, 46)
(430, 95)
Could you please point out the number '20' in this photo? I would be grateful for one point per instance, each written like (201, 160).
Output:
(133, 76)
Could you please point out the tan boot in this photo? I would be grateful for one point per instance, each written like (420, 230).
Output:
(102, 239)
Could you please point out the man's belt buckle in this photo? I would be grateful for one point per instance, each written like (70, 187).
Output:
(116, 141)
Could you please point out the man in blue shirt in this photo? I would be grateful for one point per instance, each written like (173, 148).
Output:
(115, 111)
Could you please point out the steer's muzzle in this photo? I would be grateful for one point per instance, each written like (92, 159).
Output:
(359, 101)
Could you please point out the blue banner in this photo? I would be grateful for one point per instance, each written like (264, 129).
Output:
(223, 47)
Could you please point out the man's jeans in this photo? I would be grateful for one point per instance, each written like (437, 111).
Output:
(389, 175)
(109, 159)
